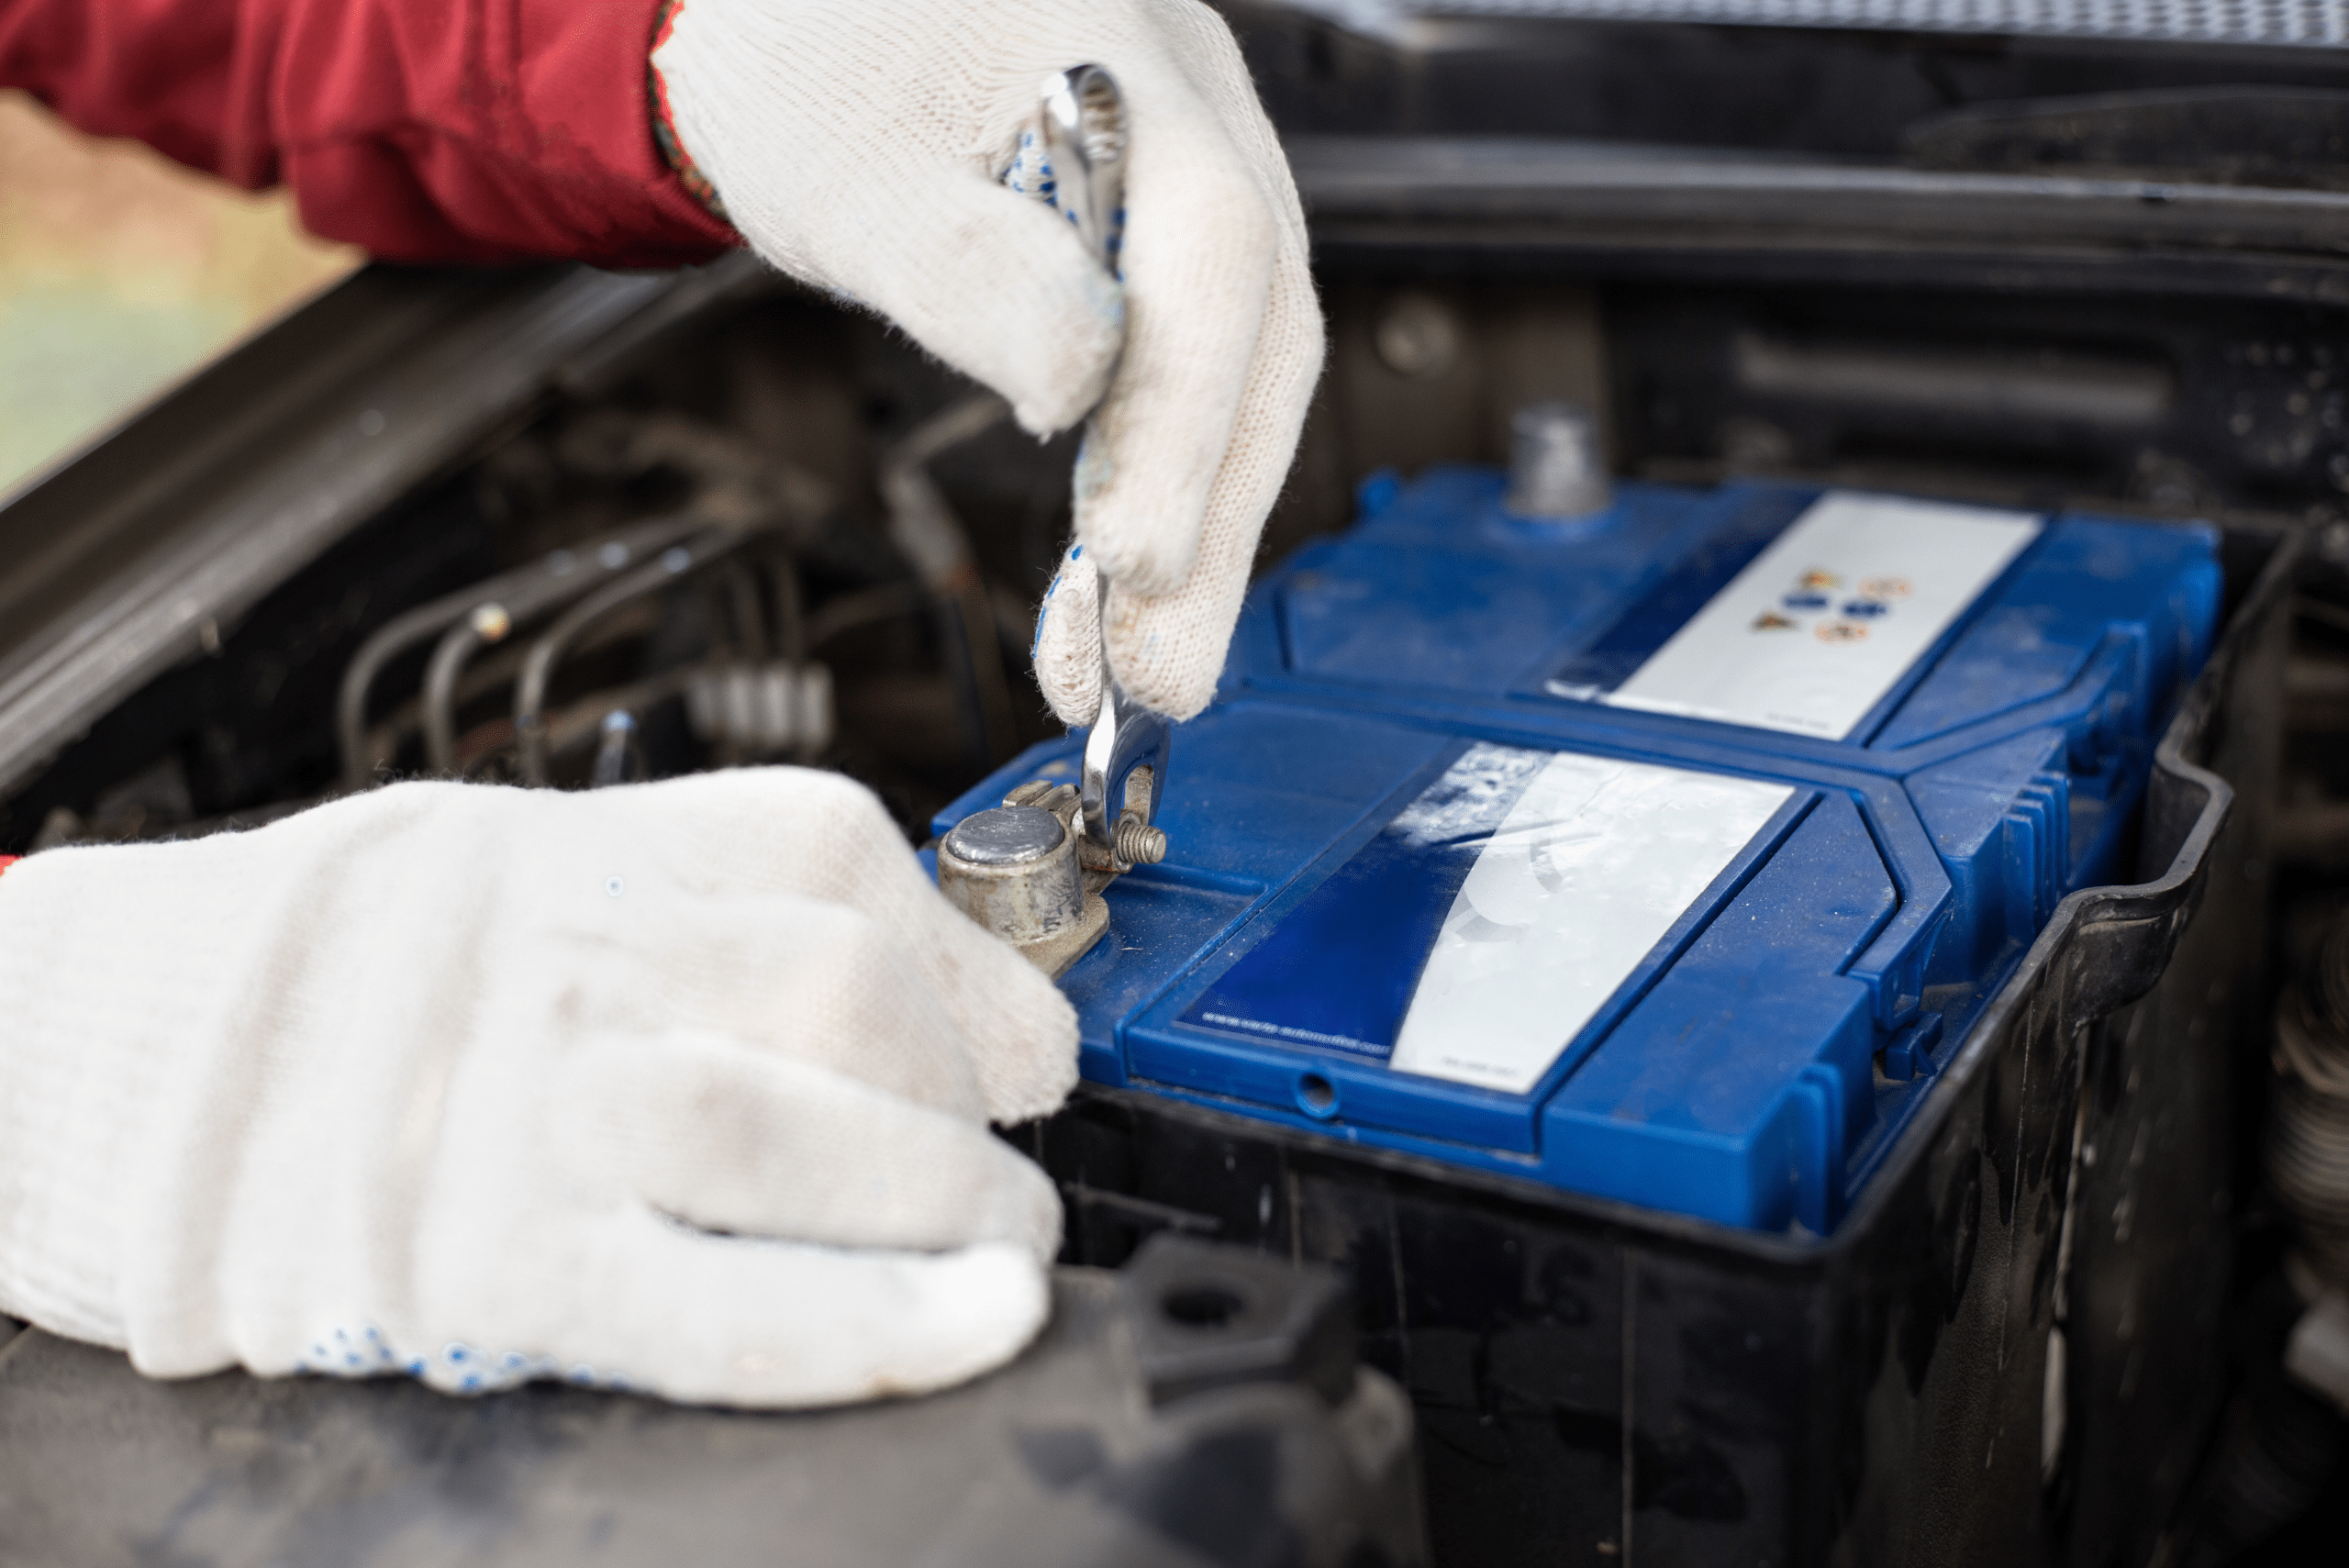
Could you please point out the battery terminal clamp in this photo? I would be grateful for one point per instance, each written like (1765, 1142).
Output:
(1027, 871)
(1031, 870)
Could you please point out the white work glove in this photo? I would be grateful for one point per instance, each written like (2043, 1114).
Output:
(459, 1082)
(857, 145)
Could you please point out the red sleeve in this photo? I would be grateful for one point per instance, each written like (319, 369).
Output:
(425, 131)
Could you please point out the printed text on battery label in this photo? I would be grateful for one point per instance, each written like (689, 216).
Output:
(1815, 630)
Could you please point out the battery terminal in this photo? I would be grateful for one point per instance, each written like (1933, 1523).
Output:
(1028, 871)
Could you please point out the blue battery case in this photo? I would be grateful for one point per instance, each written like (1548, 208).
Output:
(1430, 889)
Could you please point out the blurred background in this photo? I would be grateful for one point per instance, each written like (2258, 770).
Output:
(121, 273)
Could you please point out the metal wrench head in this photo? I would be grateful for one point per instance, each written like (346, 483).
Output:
(1083, 128)
(1126, 738)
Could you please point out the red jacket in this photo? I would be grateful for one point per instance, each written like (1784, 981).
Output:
(425, 131)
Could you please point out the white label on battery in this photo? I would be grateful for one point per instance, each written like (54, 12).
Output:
(1592, 866)
(1818, 626)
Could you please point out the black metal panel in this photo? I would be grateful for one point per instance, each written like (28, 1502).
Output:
(1738, 81)
(1506, 200)
(1748, 151)
(1066, 1457)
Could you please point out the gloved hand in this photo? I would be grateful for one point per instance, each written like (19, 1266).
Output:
(856, 144)
(465, 1082)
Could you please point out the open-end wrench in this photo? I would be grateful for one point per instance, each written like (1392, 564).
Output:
(1074, 159)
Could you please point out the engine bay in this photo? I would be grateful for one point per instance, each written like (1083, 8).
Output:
(784, 535)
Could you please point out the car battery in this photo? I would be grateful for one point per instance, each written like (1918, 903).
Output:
(1656, 855)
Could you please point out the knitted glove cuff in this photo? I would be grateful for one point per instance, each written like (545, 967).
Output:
(664, 124)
